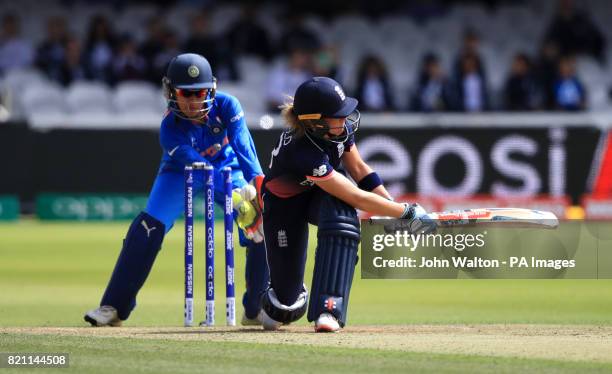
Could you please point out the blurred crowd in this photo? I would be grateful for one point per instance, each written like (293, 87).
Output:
(546, 81)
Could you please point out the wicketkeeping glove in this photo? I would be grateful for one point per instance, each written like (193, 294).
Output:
(247, 204)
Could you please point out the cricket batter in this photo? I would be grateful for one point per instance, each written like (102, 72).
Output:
(200, 125)
(305, 185)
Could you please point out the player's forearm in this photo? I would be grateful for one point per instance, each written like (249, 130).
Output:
(359, 171)
(339, 186)
(249, 164)
(365, 173)
(376, 204)
(244, 148)
(382, 191)
(186, 155)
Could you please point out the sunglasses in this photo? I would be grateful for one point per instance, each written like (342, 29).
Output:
(189, 93)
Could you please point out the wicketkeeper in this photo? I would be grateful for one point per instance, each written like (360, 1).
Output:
(200, 125)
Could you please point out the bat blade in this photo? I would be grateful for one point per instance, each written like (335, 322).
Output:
(517, 217)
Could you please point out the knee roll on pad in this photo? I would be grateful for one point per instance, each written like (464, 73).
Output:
(335, 259)
(283, 313)
(338, 219)
(145, 233)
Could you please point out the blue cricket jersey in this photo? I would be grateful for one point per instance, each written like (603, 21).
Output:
(223, 140)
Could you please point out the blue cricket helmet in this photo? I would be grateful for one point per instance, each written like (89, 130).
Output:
(191, 72)
(321, 97)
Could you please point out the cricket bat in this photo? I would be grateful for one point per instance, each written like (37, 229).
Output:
(516, 217)
(498, 217)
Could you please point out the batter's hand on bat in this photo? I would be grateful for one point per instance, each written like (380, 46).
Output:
(416, 211)
(416, 221)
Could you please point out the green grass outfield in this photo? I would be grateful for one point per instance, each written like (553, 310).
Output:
(51, 273)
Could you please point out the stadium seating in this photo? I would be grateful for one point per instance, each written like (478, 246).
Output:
(88, 97)
(399, 40)
(43, 99)
(137, 97)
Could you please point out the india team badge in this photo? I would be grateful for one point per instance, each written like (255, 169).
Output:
(193, 71)
(215, 126)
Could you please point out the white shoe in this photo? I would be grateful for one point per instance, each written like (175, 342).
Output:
(257, 321)
(268, 323)
(327, 323)
(105, 315)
